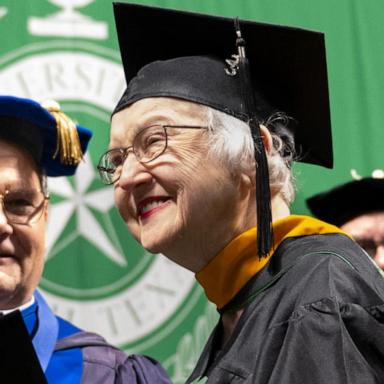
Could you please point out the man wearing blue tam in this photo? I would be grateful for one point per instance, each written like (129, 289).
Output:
(38, 141)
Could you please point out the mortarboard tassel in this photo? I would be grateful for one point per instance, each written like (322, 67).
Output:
(68, 142)
(263, 194)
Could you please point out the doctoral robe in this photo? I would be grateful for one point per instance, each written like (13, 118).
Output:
(313, 314)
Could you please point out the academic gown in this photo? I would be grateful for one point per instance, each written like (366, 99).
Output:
(69, 355)
(314, 314)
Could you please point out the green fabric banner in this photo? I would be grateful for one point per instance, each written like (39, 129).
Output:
(96, 275)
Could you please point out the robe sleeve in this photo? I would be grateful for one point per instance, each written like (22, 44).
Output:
(325, 342)
(141, 370)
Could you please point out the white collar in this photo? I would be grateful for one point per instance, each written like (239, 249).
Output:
(21, 308)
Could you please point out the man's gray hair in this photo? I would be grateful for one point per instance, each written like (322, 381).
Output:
(43, 182)
(230, 140)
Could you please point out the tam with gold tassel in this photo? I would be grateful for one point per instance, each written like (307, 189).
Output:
(55, 142)
(68, 142)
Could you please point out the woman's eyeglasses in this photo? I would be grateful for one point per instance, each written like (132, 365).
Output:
(148, 144)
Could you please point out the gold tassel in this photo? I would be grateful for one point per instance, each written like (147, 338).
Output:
(68, 142)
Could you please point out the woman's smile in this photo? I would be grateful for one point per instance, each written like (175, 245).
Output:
(151, 205)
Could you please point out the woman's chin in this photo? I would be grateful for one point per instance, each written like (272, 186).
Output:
(165, 245)
(153, 244)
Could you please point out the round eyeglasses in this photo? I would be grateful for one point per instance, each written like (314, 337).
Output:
(23, 206)
(148, 144)
(370, 246)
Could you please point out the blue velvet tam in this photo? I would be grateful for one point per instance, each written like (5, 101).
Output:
(54, 141)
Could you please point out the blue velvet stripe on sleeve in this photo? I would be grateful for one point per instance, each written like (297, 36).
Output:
(66, 366)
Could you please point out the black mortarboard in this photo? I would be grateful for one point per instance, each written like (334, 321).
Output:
(188, 56)
(54, 141)
(345, 202)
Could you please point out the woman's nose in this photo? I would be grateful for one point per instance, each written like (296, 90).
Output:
(133, 173)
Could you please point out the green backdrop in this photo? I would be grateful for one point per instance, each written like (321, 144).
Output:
(96, 275)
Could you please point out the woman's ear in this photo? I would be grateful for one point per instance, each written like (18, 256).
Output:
(247, 181)
(267, 138)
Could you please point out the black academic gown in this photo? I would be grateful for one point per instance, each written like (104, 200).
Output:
(314, 314)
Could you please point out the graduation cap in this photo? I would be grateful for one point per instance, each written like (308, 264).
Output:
(246, 69)
(54, 141)
(347, 201)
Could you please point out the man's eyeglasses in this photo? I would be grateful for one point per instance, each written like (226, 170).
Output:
(23, 206)
(370, 245)
(148, 144)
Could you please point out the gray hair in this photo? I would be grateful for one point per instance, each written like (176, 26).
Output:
(230, 140)
(43, 182)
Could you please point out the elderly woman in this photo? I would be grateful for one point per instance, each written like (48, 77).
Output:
(192, 143)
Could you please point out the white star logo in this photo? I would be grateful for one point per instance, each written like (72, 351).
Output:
(77, 200)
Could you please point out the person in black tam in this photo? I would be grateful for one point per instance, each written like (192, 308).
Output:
(357, 207)
(36, 141)
(200, 155)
